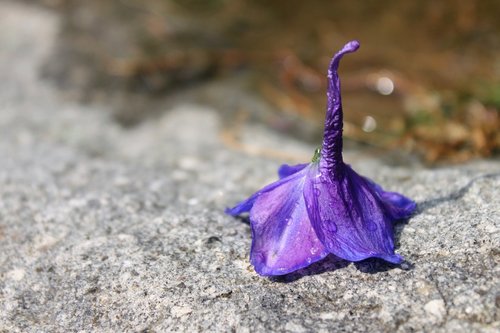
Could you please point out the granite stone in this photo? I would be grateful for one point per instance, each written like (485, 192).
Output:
(112, 229)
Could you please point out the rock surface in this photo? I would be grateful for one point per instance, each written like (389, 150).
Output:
(110, 229)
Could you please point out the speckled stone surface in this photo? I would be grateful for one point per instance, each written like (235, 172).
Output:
(107, 229)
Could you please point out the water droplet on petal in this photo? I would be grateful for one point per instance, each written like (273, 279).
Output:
(317, 192)
(330, 226)
(371, 226)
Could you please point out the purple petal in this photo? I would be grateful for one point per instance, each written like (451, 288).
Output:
(283, 239)
(349, 217)
(242, 207)
(286, 170)
(324, 206)
(397, 205)
(246, 205)
(331, 151)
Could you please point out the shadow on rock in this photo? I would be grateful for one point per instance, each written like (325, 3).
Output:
(332, 263)
(376, 265)
(328, 264)
(431, 203)
(244, 219)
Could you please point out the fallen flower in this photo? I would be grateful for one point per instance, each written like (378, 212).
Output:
(322, 207)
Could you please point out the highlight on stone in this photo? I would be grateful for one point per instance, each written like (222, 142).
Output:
(323, 206)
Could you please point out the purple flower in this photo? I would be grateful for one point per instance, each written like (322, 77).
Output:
(322, 207)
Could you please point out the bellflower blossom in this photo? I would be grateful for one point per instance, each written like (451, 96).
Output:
(324, 206)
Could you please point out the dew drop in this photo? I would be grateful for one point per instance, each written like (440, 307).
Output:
(317, 192)
(330, 226)
(371, 226)
(314, 250)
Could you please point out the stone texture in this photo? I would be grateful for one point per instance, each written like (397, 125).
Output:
(110, 229)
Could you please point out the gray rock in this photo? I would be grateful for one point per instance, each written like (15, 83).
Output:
(110, 229)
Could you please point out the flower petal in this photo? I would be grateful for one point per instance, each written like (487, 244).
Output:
(399, 206)
(283, 239)
(286, 170)
(246, 205)
(242, 207)
(349, 217)
(323, 206)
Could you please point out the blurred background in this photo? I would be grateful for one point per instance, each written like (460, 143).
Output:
(425, 83)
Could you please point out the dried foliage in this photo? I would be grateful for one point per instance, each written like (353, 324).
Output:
(426, 79)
